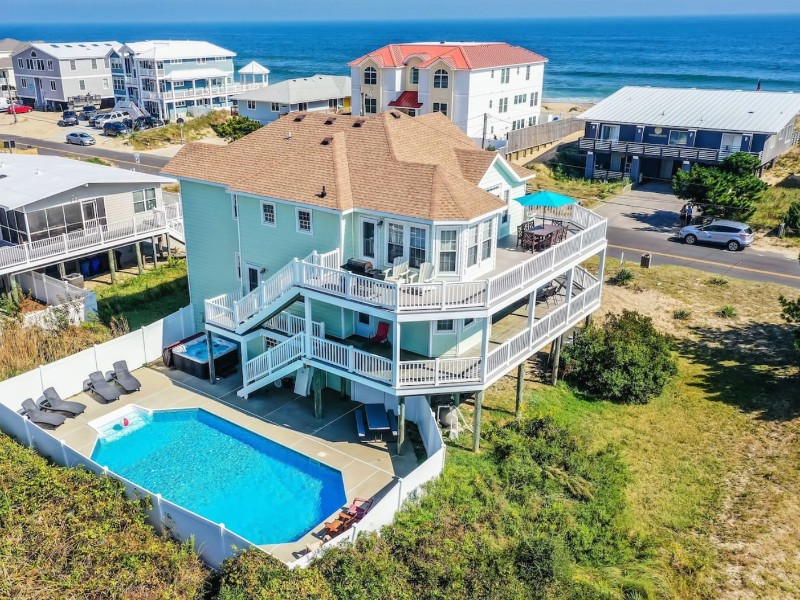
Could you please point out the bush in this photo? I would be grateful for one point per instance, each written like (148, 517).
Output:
(623, 360)
(253, 575)
(236, 127)
(792, 218)
(681, 314)
(727, 312)
(622, 277)
(718, 281)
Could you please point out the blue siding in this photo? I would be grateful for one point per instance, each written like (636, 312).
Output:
(708, 139)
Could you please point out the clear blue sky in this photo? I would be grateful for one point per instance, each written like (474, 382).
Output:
(58, 11)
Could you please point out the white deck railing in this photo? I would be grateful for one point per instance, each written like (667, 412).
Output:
(290, 325)
(31, 255)
(274, 359)
(659, 150)
(321, 272)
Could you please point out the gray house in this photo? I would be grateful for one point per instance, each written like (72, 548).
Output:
(51, 75)
(650, 133)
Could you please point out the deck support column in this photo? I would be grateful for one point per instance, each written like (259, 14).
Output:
(212, 375)
(532, 308)
(601, 269)
(13, 287)
(155, 251)
(456, 399)
(520, 389)
(476, 427)
(138, 247)
(316, 384)
(62, 271)
(112, 265)
(588, 320)
(342, 388)
(556, 356)
(401, 425)
(168, 240)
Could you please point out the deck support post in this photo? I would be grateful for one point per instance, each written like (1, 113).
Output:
(112, 265)
(401, 426)
(155, 251)
(62, 270)
(476, 427)
(316, 384)
(13, 287)
(588, 320)
(138, 247)
(532, 308)
(342, 388)
(456, 398)
(520, 389)
(212, 375)
(168, 240)
(556, 356)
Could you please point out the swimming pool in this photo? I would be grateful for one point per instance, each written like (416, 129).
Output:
(259, 489)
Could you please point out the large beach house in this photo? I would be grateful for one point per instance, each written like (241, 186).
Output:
(53, 75)
(650, 133)
(382, 254)
(484, 88)
(173, 78)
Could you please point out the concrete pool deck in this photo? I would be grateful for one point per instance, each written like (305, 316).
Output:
(368, 468)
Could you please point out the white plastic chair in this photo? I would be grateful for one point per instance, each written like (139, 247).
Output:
(399, 270)
(425, 275)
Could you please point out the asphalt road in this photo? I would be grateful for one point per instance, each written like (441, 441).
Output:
(646, 220)
(148, 163)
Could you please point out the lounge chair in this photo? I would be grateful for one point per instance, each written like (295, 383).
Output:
(398, 271)
(360, 507)
(339, 525)
(98, 384)
(362, 430)
(123, 376)
(41, 418)
(52, 402)
(382, 335)
(425, 275)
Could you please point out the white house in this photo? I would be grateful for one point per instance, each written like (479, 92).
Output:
(7, 82)
(173, 78)
(58, 212)
(326, 93)
(484, 88)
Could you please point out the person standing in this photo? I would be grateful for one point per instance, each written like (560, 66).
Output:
(689, 212)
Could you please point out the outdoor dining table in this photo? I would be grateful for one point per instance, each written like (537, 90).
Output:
(376, 417)
(537, 234)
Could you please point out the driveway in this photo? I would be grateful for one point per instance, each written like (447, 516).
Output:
(647, 219)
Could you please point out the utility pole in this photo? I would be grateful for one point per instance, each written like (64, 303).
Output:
(483, 137)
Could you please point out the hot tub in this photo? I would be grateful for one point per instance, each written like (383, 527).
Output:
(192, 357)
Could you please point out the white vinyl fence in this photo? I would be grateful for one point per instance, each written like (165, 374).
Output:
(64, 301)
(405, 488)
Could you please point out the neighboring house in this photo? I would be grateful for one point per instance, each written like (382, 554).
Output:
(173, 78)
(650, 133)
(326, 93)
(50, 76)
(57, 212)
(484, 88)
(271, 218)
(7, 83)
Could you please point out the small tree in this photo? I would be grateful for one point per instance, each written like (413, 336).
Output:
(236, 127)
(625, 359)
(730, 190)
(792, 217)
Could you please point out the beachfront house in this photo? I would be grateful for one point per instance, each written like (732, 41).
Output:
(382, 254)
(318, 93)
(645, 133)
(486, 89)
(7, 82)
(66, 216)
(57, 75)
(175, 78)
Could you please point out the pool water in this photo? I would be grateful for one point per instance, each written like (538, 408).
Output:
(198, 350)
(259, 489)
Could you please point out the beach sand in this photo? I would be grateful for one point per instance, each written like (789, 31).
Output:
(565, 108)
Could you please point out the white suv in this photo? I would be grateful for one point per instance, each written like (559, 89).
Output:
(731, 234)
(111, 117)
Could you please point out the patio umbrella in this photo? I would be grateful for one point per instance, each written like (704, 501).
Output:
(545, 199)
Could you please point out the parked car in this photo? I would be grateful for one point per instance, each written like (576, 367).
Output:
(148, 122)
(68, 117)
(79, 138)
(731, 234)
(18, 109)
(115, 128)
(88, 112)
(110, 117)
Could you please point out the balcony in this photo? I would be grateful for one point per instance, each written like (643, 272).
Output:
(32, 255)
(206, 92)
(659, 150)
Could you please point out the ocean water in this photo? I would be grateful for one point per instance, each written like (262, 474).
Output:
(589, 58)
(261, 490)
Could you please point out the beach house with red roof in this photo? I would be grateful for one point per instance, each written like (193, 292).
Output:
(483, 87)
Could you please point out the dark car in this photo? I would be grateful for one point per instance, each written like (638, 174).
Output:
(68, 117)
(116, 128)
(148, 122)
(88, 112)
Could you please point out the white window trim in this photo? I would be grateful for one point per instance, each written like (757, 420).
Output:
(406, 240)
(274, 214)
(457, 252)
(375, 242)
(297, 212)
(437, 331)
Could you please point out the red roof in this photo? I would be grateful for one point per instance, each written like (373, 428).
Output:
(458, 56)
(407, 100)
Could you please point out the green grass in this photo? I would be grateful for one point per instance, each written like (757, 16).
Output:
(578, 188)
(143, 299)
(772, 208)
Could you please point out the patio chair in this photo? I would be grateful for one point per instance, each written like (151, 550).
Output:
(382, 335)
(98, 384)
(339, 525)
(39, 417)
(52, 402)
(360, 507)
(425, 274)
(123, 377)
(399, 270)
(362, 430)
(546, 293)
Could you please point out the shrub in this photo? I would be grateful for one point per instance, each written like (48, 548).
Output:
(681, 314)
(727, 312)
(623, 360)
(622, 277)
(236, 127)
(253, 575)
(792, 218)
(718, 281)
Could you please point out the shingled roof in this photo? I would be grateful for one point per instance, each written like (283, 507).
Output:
(423, 167)
(460, 55)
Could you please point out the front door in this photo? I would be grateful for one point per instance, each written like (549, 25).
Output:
(91, 218)
(253, 277)
(731, 142)
(364, 325)
(369, 240)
